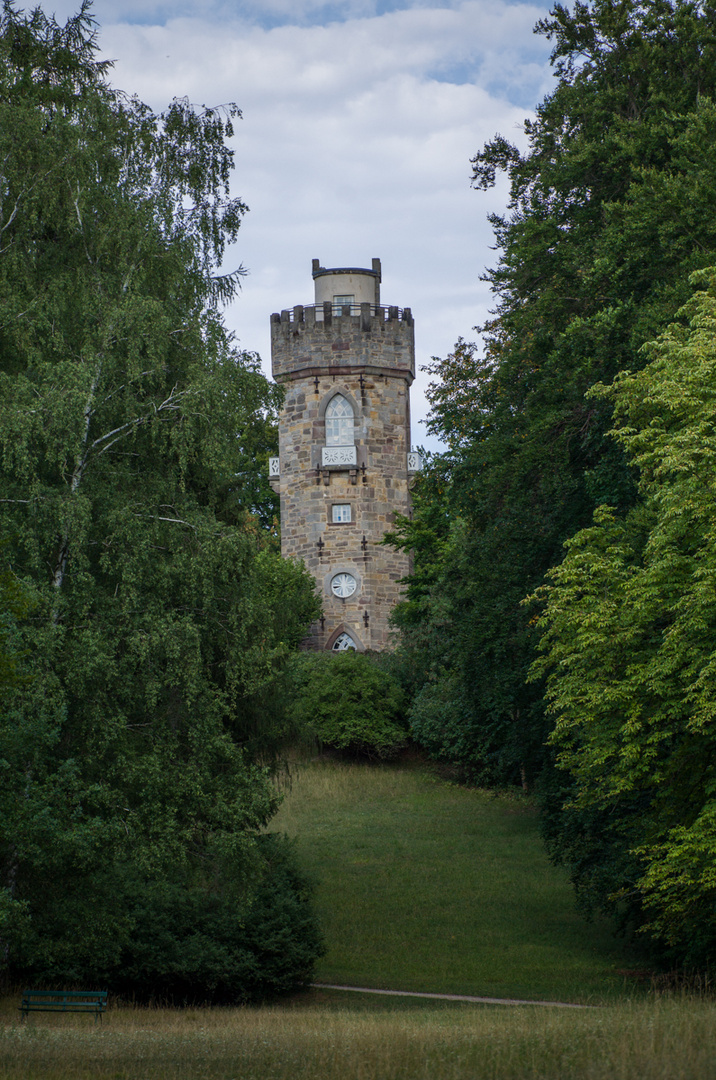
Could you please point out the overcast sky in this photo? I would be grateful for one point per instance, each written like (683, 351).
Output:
(359, 120)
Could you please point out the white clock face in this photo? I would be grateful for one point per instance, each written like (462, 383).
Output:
(343, 585)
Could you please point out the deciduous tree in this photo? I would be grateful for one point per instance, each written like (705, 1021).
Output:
(133, 440)
(630, 652)
(612, 206)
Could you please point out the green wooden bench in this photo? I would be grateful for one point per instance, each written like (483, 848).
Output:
(64, 1001)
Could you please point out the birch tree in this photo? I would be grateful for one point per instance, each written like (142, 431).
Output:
(133, 442)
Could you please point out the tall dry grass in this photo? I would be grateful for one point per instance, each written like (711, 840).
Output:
(648, 1040)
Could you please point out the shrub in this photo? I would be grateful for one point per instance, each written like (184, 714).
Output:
(348, 703)
(194, 943)
(192, 946)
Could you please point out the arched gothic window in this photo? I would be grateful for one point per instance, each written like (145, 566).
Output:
(339, 422)
(343, 643)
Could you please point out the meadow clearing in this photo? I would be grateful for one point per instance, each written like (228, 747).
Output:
(421, 885)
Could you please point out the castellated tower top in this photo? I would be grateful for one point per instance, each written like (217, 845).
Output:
(346, 329)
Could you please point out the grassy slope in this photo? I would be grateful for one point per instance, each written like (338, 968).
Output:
(423, 885)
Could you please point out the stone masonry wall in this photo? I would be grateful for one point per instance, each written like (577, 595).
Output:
(374, 373)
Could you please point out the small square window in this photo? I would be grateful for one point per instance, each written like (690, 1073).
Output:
(339, 302)
(341, 513)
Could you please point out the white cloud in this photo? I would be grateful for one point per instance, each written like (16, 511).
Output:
(321, 61)
(356, 138)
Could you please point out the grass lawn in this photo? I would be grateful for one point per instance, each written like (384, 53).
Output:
(424, 885)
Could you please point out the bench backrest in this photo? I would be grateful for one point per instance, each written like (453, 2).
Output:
(95, 999)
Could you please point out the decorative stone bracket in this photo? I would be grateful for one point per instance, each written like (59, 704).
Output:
(326, 474)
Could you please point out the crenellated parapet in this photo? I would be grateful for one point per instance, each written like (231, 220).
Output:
(360, 338)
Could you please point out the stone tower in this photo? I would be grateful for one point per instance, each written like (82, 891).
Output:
(344, 467)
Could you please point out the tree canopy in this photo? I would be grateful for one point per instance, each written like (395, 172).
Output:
(133, 509)
(349, 703)
(630, 652)
(612, 206)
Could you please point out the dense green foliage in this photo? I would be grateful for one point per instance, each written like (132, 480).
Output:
(348, 702)
(15, 604)
(630, 647)
(612, 205)
(134, 512)
(190, 943)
